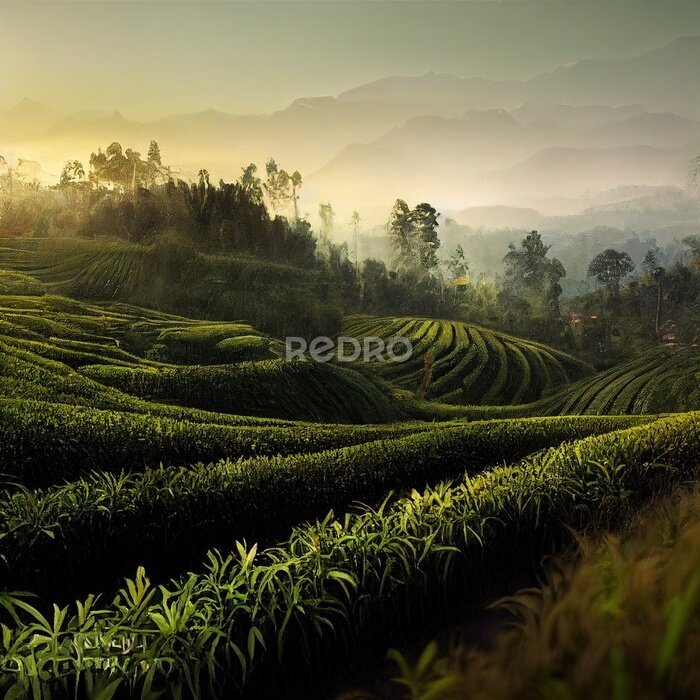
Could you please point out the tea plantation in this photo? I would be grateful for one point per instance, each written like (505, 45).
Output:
(185, 514)
(471, 365)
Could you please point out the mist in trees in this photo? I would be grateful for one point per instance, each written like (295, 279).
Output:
(142, 201)
(531, 289)
(282, 188)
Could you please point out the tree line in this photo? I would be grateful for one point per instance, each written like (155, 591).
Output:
(141, 199)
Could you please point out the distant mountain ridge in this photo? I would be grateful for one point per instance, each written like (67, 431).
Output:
(661, 79)
(457, 141)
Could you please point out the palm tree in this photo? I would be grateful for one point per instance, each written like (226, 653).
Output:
(355, 221)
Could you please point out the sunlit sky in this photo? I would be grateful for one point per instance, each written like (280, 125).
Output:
(149, 59)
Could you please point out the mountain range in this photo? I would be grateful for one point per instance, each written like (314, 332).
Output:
(543, 143)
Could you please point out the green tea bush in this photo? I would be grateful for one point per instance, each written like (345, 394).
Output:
(275, 622)
(29, 375)
(46, 443)
(247, 347)
(212, 343)
(663, 380)
(17, 283)
(42, 342)
(471, 365)
(105, 524)
(308, 391)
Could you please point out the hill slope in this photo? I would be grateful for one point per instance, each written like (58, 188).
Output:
(472, 365)
(120, 357)
(662, 380)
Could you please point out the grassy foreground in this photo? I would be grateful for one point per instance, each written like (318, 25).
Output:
(256, 622)
(621, 622)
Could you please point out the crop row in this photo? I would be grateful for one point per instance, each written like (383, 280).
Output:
(17, 283)
(43, 340)
(104, 524)
(103, 269)
(471, 365)
(273, 389)
(46, 443)
(54, 320)
(662, 380)
(28, 375)
(302, 390)
(255, 622)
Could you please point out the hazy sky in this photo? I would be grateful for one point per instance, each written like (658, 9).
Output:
(148, 59)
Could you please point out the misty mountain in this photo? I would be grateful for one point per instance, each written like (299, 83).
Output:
(663, 79)
(501, 217)
(571, 171)
(92, 127)
(638, 208)
(28, 119)
(544, 144)
(490, 159)
(566, 118)
(476, 134)
(439, 93)
(663, 130)
(304, 135)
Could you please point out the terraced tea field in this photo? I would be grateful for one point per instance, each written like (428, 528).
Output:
(119, 357)
(172, 277)
(110, 269)
(133, 438)
(471, 365)
(661, 380)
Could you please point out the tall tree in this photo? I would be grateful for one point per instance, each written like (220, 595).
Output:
(414, 237)
(457, 265)
(326, 214)
(532, 276)
(376, 287)
(424, 219)
(609, 268)
(282, 188)
(154, 163)
(72, 171)
(123, 168)
(355, 223)
(251, 183)
(400, 231)
(154, 156)
(655, 274)
(296, 185)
